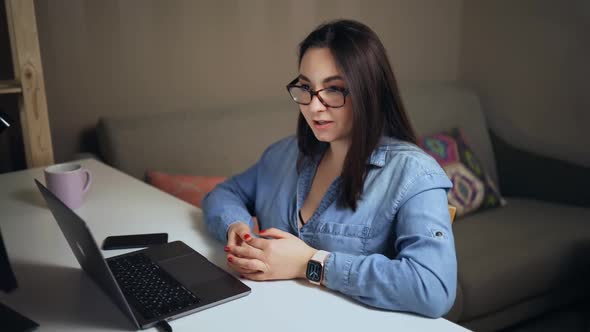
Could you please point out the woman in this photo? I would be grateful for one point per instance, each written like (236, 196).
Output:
(349, 203)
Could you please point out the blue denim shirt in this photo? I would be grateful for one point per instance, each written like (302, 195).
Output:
(396, 251)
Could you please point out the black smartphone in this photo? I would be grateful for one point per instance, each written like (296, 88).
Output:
(134, 241)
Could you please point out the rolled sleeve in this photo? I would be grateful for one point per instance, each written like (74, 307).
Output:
(230, 202)
(238, 198)
(422, 277)
(337, 271)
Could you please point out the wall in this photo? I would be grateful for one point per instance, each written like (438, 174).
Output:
(126, 57)
(529, 61)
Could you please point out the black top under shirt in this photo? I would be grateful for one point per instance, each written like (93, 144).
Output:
(301, 218)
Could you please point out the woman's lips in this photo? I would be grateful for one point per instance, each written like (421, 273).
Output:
(322, 124)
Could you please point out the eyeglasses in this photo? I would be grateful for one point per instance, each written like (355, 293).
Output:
(329, 97)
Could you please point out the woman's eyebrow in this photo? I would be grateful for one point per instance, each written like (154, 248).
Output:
(333, 78)
(326, 80)
(303, 77)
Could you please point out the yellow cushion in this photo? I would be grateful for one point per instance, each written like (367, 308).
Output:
(452, 211)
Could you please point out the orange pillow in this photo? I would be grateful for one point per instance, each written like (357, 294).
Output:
(189, 188)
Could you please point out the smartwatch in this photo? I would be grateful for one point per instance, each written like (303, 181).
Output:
(315, 267)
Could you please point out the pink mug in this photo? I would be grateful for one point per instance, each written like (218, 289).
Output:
(69, 182)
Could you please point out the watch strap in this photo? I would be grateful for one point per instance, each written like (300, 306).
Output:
(320, 257)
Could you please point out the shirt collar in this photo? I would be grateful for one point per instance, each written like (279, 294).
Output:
(377, 157)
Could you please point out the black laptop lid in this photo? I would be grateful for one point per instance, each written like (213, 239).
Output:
(85, 249)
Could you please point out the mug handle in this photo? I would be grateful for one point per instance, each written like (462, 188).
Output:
(88, 180)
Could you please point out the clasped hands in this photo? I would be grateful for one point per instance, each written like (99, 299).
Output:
(282, 256)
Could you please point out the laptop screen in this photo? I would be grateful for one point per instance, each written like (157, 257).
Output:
(85, 249)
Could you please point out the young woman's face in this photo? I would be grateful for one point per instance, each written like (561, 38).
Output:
(318, 70)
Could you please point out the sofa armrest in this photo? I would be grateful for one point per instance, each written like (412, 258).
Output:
(529, 175)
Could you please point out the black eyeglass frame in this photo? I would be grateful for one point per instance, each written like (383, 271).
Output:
(345, 92)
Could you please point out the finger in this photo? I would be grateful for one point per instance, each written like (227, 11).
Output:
(258, 243)
(275, 233)
(231, 239)
(257, 276)
(240, 270)
(244, 233)
(228, 247)
(247, 263)
(245, 251)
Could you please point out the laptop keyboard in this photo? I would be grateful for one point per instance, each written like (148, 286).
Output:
(154, 292)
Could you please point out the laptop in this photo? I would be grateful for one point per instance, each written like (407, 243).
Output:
(153, 285)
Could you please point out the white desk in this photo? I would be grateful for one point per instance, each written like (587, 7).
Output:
(55, 292)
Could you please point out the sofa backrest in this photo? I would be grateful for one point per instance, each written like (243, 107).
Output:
(437, 106)
(225, 141)
(208, 142)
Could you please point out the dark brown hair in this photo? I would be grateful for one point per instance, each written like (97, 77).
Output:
(376, 104)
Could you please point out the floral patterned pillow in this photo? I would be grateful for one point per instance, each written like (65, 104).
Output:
(473, 190)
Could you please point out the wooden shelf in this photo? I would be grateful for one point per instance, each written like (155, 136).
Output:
(7, 87)
(28, 83)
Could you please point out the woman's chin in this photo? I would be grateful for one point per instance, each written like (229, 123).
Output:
(324, 138)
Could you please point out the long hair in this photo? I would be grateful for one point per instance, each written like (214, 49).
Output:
(376, 104)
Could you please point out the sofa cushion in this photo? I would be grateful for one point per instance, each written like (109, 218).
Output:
(472, 189)
(190, 188)
(524, 250)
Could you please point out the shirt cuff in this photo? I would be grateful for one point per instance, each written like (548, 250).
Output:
(337, 271)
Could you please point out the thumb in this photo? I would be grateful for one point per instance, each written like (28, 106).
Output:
(244, 233)
(275, 233)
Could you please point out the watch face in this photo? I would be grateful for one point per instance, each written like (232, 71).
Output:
(314, 271)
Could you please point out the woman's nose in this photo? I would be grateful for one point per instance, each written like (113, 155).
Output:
(316, 105)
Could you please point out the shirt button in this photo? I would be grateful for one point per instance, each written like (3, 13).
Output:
(439, 234)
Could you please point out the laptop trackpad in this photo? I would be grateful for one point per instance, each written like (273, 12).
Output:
(192, 270)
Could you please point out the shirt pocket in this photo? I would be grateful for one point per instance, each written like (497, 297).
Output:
(340, 237)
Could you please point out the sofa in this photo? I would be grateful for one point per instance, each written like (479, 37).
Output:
(515, 262)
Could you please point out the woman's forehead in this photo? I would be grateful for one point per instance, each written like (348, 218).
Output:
(318, 64)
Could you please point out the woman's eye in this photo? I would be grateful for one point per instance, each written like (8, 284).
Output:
(337, 88)
(305, 86)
